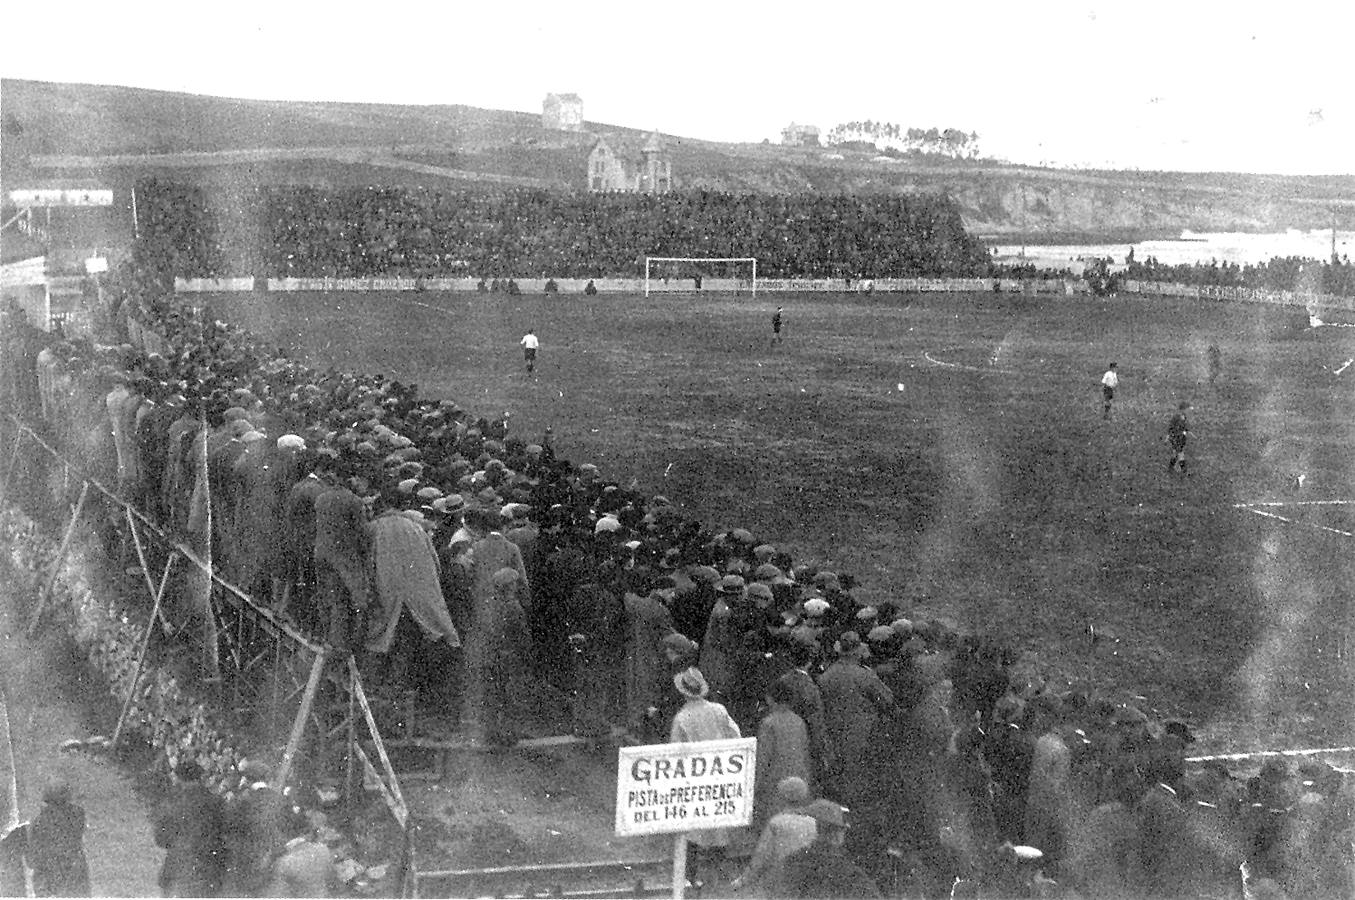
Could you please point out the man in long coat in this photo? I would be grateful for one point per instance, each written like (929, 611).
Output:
(648, 678)
(499, 662)
(342, 553)
(789, 830)
(722, 639)
(405, 570)
(807, 703)
(782, 752)
(853, 699)
(56, 846)
(701, 719)
(1049, 799)
(489, 554)
(299, 544)
(191, 828)
(265, 476)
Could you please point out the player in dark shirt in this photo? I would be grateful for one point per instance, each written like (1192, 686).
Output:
(776, 326)
(1178, 429)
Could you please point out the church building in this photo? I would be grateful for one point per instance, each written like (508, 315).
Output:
(619, 163)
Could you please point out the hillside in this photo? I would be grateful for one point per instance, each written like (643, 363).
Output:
(53, 131)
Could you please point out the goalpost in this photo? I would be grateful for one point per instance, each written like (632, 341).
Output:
(660, 271)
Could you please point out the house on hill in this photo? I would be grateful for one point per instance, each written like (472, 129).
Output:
(800, 135)
(562, 112)
(620, 163)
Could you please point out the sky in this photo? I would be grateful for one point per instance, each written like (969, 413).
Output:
(1186, 85)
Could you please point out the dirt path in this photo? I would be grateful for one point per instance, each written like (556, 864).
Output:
(49, 701)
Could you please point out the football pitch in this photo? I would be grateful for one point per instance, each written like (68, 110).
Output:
(949, 451)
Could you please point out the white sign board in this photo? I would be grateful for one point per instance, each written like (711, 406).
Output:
(25, 197)
(685, 787)
(96, 264)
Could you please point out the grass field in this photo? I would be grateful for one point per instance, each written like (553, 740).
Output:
(949, 451)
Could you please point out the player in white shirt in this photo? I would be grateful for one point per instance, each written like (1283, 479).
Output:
(529, 344)
(1109, 382)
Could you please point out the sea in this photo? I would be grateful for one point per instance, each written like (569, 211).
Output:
(1190, 247)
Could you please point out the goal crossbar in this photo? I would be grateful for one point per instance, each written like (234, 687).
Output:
(701, 259)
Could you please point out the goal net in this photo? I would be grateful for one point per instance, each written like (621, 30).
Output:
(686, 274)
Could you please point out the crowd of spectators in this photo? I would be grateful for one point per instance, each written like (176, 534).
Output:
(480, 568)
(408, 232)
(1287, 273)
(494, 233)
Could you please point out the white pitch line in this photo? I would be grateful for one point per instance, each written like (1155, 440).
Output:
(1269, 753)
(1293, 503)
(1271, 515)
(927, 355)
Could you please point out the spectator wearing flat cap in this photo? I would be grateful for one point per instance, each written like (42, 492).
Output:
(594, 623)
(265, 477)
(782, 752)
(519, 528)
(723, 638)
(679, 654)
(692, 607)
(299, 546)
(453, 543)
(648, 680)
(854, 697)
(807, 702)
(496, 671)
(789, 830)
(490, 553)
(822, 870)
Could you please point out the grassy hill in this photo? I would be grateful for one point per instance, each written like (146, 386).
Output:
(46, 124)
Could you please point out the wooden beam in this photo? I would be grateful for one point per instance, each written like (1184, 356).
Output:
(361, 696)
(279, 779)
(141, 654)
(60, 558)
(13, 462)
(398, 810)
(146, 571)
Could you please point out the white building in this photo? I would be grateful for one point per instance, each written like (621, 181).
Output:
(562, 112)
(800, 135)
